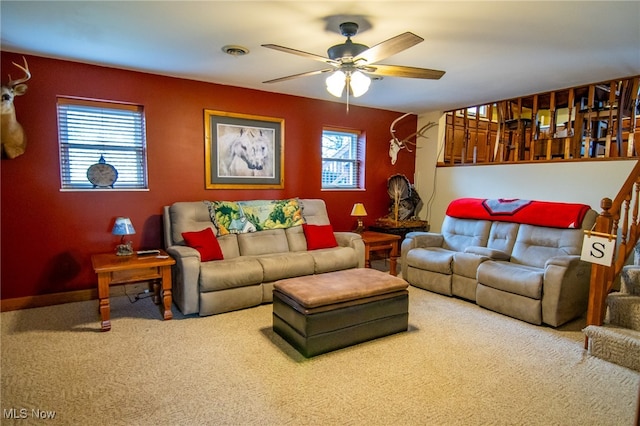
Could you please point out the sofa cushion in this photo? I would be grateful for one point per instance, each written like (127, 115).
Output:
(319, 236)
(334, 259)
(433, 259)
(461, 233)
(229, 245)
(516, 279)
(296, 239)
(226, 274)
(263, 242)
(466, 264)
(536, 244)
(205, 242)
(488, 252)
(286, 265)
(428, 280)
(502, 236)
(514, 305)
(187, 216)
(314, 211)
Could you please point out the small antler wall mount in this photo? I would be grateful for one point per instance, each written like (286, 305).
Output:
(396, 145)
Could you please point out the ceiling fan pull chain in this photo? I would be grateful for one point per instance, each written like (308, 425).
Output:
(348, 87)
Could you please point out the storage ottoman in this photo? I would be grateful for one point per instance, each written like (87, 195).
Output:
(324, 312)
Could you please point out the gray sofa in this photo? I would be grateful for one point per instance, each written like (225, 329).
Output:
(533, 273)
(252, 261)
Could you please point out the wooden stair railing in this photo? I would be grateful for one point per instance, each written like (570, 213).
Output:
(627, 231)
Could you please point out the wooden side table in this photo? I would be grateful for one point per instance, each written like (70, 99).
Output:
(114, 270)
(378, 241)
(402, 228)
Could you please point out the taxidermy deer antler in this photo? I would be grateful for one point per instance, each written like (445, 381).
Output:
(12, 137)
(396, 145)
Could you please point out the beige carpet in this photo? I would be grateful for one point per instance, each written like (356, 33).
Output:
(457, 365)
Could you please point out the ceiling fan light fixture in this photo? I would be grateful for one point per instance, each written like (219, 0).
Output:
(336, 82)
(359, 83)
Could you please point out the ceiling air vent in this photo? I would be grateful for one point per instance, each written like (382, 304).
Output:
(235, 50)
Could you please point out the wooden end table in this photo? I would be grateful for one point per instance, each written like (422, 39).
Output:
(378, 241)
(115, 270)
(402, 228)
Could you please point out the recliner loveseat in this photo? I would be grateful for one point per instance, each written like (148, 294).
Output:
(517, 257)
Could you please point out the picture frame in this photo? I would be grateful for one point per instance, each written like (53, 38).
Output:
(243, 151)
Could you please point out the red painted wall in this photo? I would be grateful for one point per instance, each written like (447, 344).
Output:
(48, 235)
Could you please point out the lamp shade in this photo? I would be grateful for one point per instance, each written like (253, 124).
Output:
(359, 83)
(123, 226)
(335, 83)
(358, 210)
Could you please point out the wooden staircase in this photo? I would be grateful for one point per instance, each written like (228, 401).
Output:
(616, 336)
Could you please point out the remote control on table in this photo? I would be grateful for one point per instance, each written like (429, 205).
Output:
(147, 252)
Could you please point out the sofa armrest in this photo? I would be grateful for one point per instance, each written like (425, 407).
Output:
(566, 289)
(353, 240)
(425, 239)
(488, 252)
(185, 277)
(183, 252)
(564, 261)
(415, 240)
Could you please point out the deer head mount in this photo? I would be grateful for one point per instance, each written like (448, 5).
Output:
(12, 137)
(396, 145)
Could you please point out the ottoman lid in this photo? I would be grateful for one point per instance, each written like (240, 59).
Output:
(312, 291)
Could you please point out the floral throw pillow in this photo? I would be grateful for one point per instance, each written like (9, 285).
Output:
(228, 218)
(273, 214)
(255, 215)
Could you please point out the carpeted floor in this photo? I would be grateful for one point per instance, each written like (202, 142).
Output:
(457, 365)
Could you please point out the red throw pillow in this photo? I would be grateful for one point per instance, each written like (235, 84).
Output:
(319, 236)
(205, 242)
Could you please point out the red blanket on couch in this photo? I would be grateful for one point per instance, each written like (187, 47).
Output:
(540, 213)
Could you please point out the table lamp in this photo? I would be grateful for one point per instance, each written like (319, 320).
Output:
(123, 227)
(359, 212)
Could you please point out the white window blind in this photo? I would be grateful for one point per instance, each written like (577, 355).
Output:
(88, 130)
(342, 165)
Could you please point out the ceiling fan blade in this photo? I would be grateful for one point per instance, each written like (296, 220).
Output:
(402, 71)
(301, 53)
(389, 47)
(304, 74)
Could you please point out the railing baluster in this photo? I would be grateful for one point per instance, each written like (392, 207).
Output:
(625, 219)
(585, 114)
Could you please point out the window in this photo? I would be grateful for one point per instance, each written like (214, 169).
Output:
(91, 130)
(342, 159)
(480, 111)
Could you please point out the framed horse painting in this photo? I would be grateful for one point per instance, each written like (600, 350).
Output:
(243, 151)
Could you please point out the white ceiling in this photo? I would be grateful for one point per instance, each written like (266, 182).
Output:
(489, 50)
